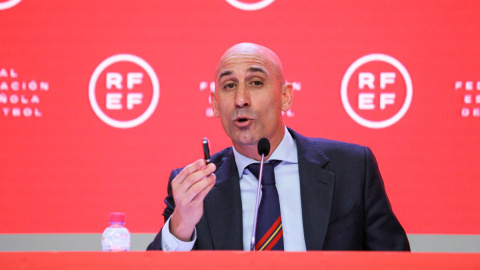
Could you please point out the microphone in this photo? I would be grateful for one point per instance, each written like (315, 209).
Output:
(263, 148)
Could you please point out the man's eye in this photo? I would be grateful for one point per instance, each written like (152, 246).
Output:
(257, 83)
(229, 86)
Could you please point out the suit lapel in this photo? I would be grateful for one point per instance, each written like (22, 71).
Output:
(223, 206)
(316, 187)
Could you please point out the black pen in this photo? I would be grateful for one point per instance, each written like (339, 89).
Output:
(206, 150)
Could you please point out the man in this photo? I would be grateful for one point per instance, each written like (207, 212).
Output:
(331, 193)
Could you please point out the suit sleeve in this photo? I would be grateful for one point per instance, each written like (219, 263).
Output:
(170, 206)
(382, 229)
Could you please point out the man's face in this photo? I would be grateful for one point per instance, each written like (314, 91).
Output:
(248, 98)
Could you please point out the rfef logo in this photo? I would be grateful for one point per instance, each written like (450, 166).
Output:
(8, 4)
(376, 91)
(124, 91)
(250, 5)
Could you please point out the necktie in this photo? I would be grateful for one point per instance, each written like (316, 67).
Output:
(269, 234)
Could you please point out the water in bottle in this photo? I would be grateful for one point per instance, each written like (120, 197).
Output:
(116, 237)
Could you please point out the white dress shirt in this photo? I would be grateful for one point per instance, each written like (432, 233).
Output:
(288, 185)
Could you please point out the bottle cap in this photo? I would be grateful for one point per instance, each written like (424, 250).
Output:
(117, 217)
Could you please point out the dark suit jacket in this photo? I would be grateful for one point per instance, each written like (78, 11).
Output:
(344, 204)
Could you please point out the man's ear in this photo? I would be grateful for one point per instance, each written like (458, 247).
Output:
(214, 104)
(287, 96)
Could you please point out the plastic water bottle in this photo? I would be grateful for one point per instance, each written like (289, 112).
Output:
(116, 237)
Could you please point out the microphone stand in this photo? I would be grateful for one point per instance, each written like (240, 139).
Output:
(252, 243)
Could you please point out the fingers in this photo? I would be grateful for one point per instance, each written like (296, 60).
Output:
(189, 169)
(192, 174)
(193, 179)
(199, 191)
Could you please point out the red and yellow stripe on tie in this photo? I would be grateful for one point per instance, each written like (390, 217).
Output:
(271, 237)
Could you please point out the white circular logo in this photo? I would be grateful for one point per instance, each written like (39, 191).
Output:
(9, 4)
(250, 6)
(118, 93)
(372, 93)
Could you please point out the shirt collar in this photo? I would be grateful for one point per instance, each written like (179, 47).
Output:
(286, 152)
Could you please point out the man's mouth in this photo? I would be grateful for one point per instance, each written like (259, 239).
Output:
(242, 121)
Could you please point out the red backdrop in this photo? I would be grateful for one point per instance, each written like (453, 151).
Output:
(63, 167)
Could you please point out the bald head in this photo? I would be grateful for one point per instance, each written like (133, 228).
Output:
(261, 54)
(250, 96)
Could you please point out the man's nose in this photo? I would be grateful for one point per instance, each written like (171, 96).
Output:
(242, 96)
